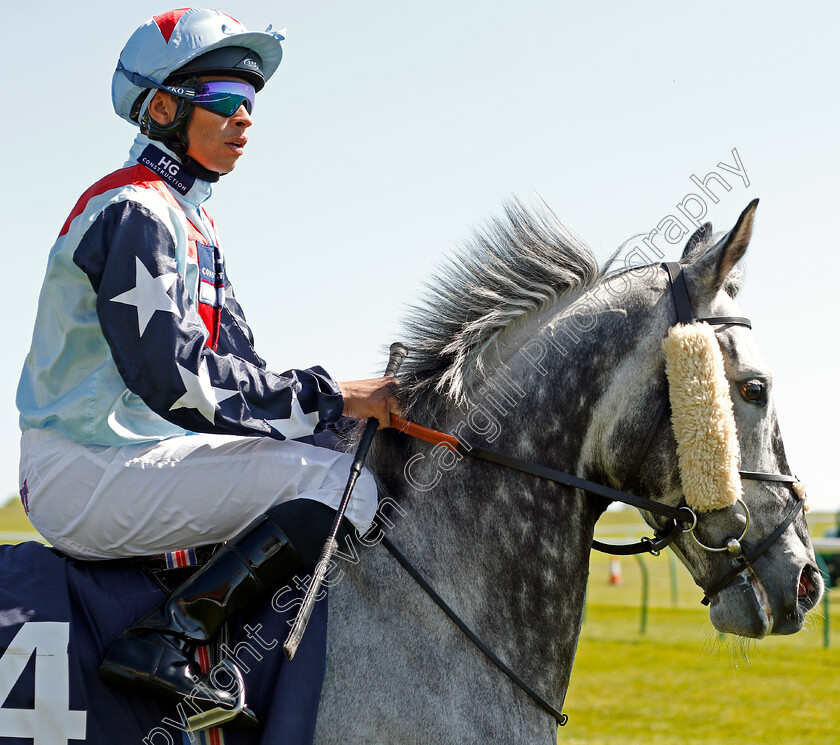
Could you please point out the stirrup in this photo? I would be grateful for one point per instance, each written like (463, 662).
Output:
(219, 715)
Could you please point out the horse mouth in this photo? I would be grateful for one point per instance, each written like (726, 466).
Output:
(765, 608)
(771, 613)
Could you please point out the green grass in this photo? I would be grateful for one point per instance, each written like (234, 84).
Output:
(14, 520)
(680, 682)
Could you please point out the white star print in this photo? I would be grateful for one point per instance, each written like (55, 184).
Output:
(200, 393)
(297, 425)
(149, 294)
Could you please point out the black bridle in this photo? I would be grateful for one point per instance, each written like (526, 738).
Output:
(735, 547)
(681, 519)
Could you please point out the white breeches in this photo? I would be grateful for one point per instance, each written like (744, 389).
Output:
(97, 502)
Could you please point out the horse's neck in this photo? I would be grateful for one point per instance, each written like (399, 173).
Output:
(508, 550)
(511, 550)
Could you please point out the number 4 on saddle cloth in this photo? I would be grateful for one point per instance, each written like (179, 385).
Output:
(58, 617)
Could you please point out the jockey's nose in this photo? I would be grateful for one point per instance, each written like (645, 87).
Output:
(242, 117)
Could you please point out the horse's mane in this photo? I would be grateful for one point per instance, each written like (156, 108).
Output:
(514, 266)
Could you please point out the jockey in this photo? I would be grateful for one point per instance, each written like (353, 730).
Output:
(149, 423)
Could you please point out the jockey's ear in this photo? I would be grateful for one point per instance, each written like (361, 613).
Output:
(710, 271)
(163, 107)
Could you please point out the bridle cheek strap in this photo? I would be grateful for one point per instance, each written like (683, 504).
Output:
(685, 315)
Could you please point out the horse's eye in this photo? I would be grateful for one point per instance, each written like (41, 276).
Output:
(754, 391)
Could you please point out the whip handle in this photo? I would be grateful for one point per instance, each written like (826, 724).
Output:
(397, 353)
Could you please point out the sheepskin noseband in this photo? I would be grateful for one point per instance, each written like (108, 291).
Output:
(702, 417)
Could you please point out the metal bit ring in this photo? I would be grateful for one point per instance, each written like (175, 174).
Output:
(733, 545)
(693, 525)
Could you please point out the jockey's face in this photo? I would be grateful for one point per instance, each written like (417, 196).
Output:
(215, 141)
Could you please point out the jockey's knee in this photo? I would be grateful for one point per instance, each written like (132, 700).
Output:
(307, 523)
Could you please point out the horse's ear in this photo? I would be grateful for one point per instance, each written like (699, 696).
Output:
(701, 235)
(714, 266)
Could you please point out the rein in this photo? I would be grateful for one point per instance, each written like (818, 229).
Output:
(559, 717)
(682, 519)
(678, 515)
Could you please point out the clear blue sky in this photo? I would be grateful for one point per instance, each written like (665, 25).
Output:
(391, 129)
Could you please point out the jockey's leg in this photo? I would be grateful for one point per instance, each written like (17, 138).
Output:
(97, 502)
(154, 657)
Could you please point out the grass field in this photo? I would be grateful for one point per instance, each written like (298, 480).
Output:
(679, 681)
(14, 520)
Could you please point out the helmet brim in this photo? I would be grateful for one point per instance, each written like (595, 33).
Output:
(266, 46)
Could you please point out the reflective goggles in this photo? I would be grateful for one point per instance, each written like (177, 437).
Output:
(223, 97)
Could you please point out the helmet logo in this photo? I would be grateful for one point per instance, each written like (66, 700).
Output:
(248, 62)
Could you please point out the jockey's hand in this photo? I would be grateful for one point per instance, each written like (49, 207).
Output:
(373, 397)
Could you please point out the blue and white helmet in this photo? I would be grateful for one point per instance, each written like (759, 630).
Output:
(169, 41)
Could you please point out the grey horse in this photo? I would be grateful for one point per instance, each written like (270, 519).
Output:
(526, 346)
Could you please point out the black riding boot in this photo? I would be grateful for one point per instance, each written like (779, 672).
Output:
(154, 656)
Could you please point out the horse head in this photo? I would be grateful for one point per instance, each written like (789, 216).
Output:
(734, 450)
(553, 360)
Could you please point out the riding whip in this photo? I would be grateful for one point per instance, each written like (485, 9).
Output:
(398, 353)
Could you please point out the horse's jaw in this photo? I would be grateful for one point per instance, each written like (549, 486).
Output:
(743, 608)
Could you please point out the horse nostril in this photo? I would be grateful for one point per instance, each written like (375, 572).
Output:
(805, 585)
(809, 589)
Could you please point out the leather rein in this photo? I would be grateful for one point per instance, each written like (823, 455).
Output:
(681, 519)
